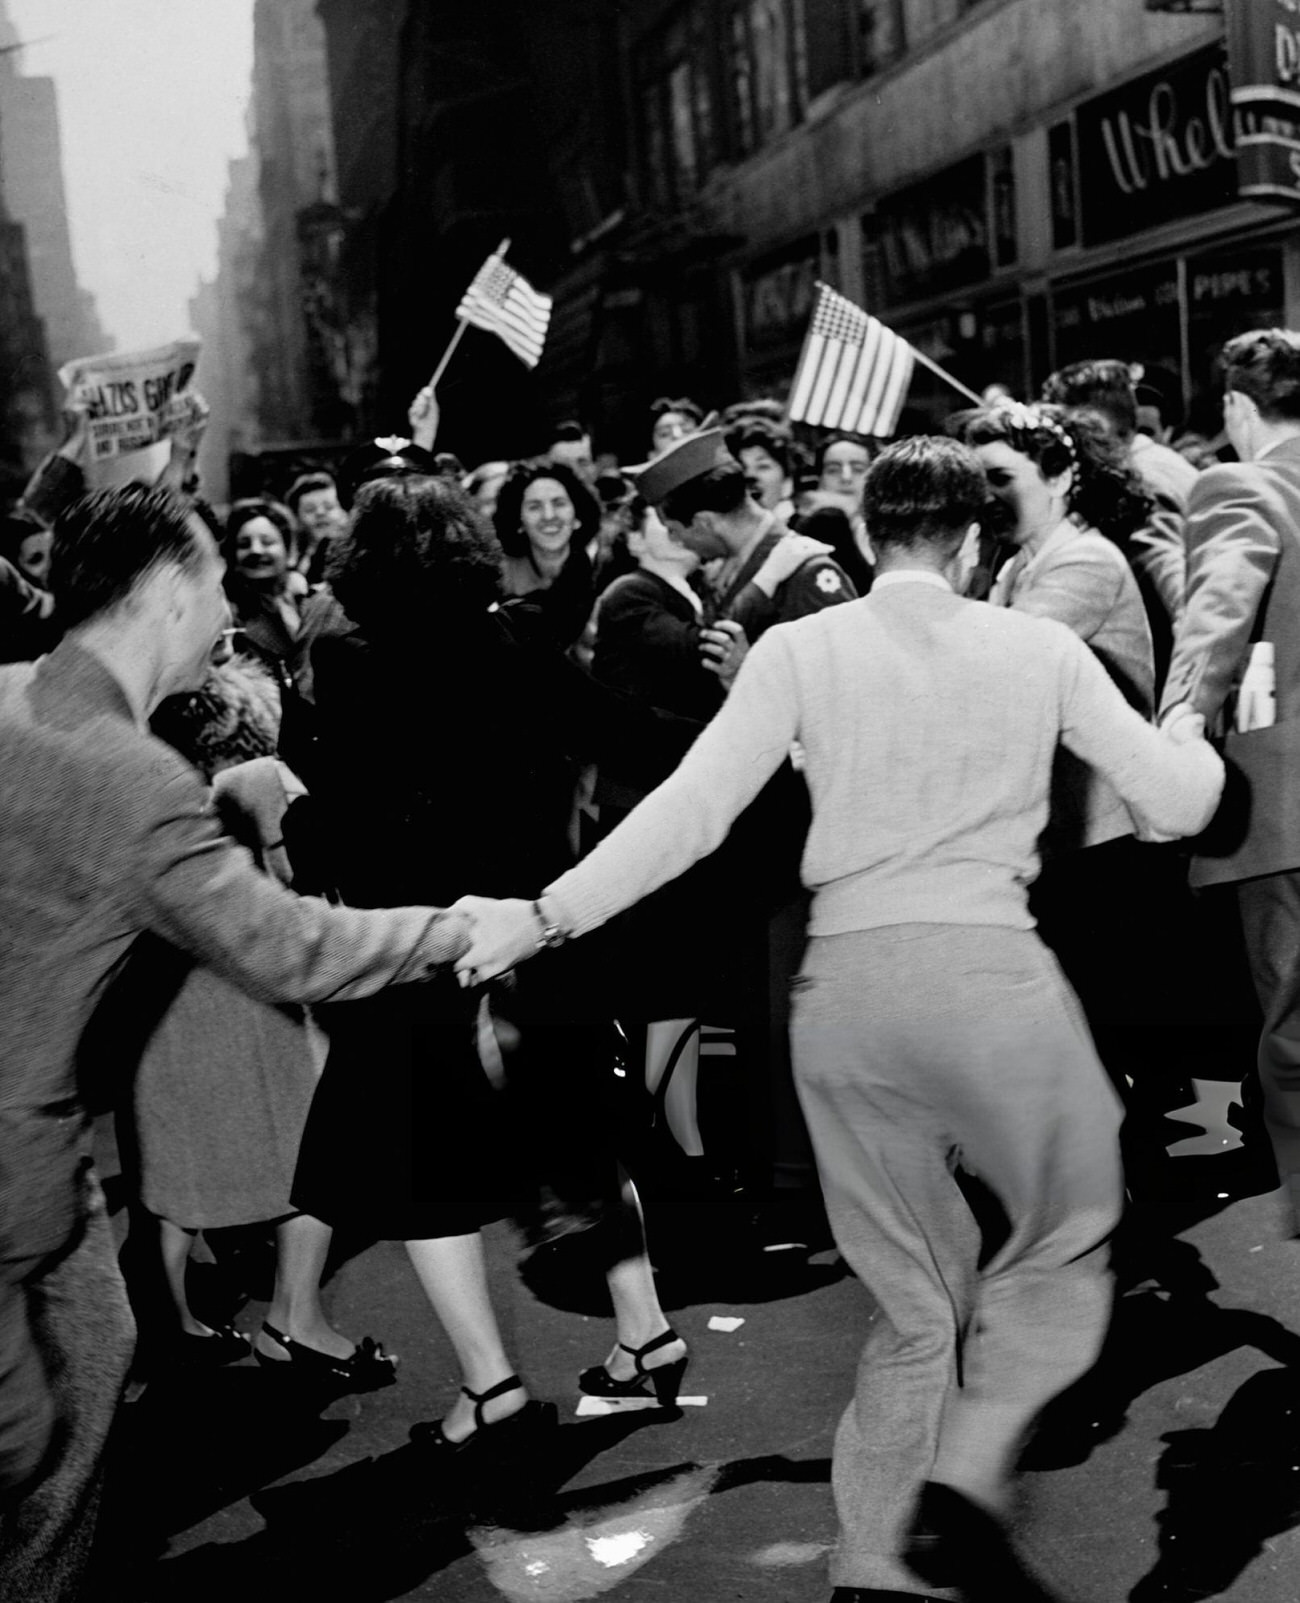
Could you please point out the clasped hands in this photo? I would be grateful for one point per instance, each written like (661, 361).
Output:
(501, 934)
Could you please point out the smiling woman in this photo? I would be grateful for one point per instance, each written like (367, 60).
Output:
(545, 516)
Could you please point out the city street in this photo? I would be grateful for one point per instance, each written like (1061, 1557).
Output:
(1175, 1477)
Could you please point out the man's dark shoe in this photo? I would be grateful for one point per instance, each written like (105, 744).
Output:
(953, 1542)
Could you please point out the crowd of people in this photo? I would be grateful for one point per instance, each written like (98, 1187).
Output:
(361, 836)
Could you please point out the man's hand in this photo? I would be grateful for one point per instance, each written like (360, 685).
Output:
(76, 432)
(786, 557)
(424, 415)
(185, 443)
(1182, 725)
(723, 647)
(501, 935)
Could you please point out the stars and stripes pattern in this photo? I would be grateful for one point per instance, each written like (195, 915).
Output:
(504, 303)
(853, 372)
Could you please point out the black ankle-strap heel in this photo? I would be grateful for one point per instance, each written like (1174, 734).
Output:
(664, 1379)
(506, 1432)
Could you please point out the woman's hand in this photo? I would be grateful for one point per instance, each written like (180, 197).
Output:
(723, 647)
(424, 414)
(786, 557)
(501, 935)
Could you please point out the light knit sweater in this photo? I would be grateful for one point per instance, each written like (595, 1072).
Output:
(928, 725)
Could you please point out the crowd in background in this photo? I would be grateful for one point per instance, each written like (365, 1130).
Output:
(438, 680)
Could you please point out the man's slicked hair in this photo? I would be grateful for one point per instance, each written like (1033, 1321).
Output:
(1265, 365)
(924, 490)
(106, 543)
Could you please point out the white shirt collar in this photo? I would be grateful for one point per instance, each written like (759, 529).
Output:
(910, 576)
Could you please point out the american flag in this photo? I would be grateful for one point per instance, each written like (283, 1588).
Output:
(503, 302)
(853, 372)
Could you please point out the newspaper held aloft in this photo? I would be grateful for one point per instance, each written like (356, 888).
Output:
(133, 399)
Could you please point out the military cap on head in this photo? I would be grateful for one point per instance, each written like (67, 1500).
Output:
(687, 459)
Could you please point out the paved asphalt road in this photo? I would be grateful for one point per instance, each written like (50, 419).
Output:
(1174, 1475)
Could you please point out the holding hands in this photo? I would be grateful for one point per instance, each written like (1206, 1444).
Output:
(501, 934)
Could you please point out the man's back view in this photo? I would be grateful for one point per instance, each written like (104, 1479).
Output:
(931, 1026)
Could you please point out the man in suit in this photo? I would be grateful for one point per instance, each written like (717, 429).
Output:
(1243, 588)
(931, 1026)
(106, 836)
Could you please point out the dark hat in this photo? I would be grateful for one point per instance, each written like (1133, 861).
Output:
(390, 456)
(687, 459)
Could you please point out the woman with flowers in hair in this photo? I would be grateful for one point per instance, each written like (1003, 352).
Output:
(1064, 497)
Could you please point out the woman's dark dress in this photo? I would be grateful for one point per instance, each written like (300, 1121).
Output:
(443, 769)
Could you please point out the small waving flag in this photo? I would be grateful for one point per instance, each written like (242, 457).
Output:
(853, 372)
(504, 303)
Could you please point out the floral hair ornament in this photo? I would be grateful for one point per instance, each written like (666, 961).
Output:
(1032, 420)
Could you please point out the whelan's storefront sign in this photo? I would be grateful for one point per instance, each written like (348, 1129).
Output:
(1264, 51)
(1159, 148)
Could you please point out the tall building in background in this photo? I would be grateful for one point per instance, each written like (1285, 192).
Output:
(303, 377)
(32, 178)
(220, 314)
(28, 415)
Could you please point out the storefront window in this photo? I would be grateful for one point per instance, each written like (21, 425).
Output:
(1229, 293)
(769, 41)
(655, 146)
(1064, 186)
(880, 33)
(677, 108)
(683, 127)
(742, 85)
(1132, 316)
(1002, 198)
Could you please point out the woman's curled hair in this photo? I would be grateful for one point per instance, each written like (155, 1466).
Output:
(1107, 494)
(416, 552)
(509, 511)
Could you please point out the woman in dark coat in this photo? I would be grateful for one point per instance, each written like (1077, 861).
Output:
(441, 765)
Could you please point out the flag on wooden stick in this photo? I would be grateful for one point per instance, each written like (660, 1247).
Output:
(853, 372)
(504, 303)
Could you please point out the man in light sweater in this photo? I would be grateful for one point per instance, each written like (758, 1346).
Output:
(932, 1028)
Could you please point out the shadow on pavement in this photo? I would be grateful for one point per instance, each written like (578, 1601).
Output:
(1165, 1324)
(379, 1528)
(1230, 1488)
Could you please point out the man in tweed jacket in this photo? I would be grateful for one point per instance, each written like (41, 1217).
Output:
(105, 836)
(1243, 587)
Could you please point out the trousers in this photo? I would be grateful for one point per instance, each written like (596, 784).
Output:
(921, 1051)
(66, 1338)
(1270, 923)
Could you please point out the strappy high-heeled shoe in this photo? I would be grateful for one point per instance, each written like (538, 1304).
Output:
(510, 1432)
(666, 1379)
(367, 1369)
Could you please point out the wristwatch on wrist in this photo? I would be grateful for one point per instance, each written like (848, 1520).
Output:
(551, 935)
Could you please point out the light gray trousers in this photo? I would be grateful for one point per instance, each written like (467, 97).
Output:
(918, 1047)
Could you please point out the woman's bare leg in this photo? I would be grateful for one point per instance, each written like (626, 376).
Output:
(174, 1243)
(302, 1244)
(661, 1036)
(630, 1277)
(452, 1272)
